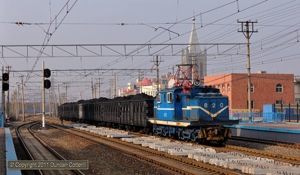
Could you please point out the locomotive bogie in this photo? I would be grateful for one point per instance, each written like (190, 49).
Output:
(216, 134)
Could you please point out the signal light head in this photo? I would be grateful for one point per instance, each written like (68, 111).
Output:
(47, 73)
(47, 84)
(5, 76)
(5, 86)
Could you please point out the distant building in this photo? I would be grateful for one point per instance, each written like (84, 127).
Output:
(194, 55)
(147, 86)
(131, 90)
(265, 89)
(297, 89)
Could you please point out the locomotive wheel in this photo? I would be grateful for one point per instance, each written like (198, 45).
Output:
(181, 135)
(193, 136)
(172, 136)
(165, 132)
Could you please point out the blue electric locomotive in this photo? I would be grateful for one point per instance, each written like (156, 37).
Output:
(198, 114)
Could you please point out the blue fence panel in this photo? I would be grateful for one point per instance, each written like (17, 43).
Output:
(279, 117)
(276, 117)
(256, 117)
(268, 116)
(246, 117)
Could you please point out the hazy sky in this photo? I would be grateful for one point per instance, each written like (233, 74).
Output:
(274, 48)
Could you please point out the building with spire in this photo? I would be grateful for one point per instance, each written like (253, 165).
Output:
(194, 55)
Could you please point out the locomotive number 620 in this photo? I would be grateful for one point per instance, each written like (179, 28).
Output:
(213, 105)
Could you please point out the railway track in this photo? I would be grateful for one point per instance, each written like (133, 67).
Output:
(246, 151)
(253, 152)
(38, 150)
(180, 165)
(277, 157)
(267, 142)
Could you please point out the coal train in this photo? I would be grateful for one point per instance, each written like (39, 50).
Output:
(198, 114)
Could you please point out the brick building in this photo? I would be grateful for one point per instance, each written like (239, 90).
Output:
(265, 89)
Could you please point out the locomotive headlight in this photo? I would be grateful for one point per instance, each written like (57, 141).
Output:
(215, 131)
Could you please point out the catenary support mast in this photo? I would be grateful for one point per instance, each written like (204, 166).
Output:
(248, 33)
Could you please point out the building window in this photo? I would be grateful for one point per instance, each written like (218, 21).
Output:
(228, 87)
(278, 101)
(251, 88)
(279, 88)
(252, 104)
(223, 88)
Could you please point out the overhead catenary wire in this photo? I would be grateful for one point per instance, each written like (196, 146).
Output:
(50, 33)
(214, 59)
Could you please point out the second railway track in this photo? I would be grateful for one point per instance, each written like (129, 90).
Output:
(37, 149)
(180, 165)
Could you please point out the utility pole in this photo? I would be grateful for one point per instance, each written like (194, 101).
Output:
(99, 88)
(7, 107)
(17, 102)
(66, 95)
(115, 86)
(23, 105)
(140, 80)
(3, 99)
(156, 63)
(92, 87)
(49, 104)
(248, 33)
(80, 93)
(59, 97)
(34, 106)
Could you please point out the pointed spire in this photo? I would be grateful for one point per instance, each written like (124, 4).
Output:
(194, 49)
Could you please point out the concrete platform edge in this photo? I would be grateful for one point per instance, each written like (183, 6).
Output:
(10, 152)
(282, 130)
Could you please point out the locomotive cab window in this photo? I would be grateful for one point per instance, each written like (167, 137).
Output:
(177, 98)
(158, 98)
(170, 97)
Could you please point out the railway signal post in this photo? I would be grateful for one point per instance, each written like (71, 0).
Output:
(46, 73)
